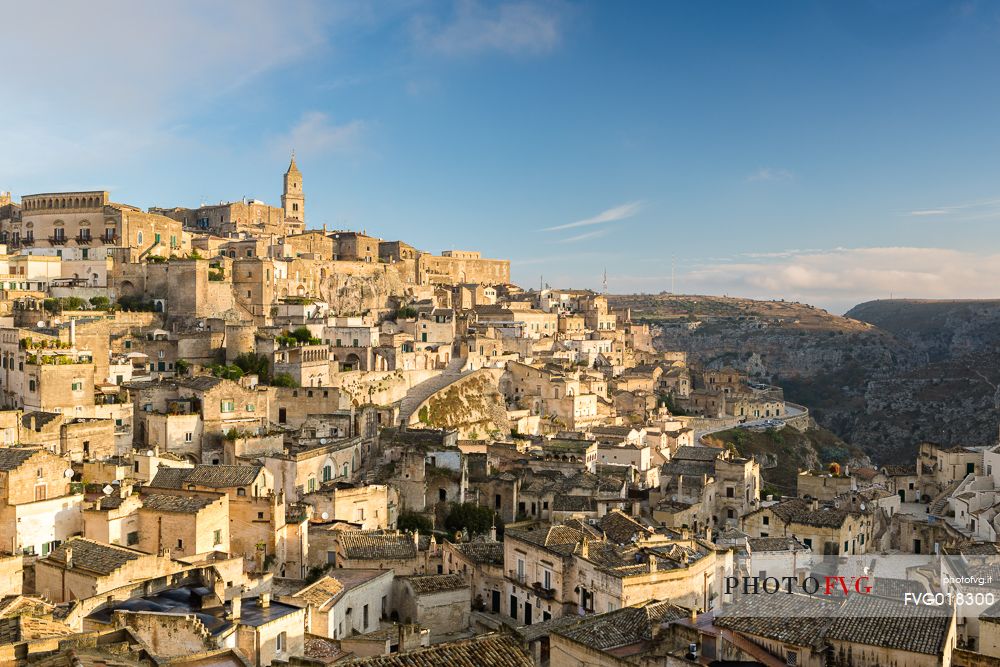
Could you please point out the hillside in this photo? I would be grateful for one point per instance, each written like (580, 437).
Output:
(784, 452)
(885, 377)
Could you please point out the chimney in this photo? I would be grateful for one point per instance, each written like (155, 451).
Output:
(585, 548)
(72, 333)
(493, 533)
(652, 563)
(693, 617)
(236, 607)
(416, 538)
(265, 600)
(69, 558)
(814, 505)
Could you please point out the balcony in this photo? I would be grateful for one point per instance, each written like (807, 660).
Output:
(82, 239)
(516, 576)
(542, 592)
(57, 240)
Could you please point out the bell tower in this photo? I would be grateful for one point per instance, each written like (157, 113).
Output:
(292, 199)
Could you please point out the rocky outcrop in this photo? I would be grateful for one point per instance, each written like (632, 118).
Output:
(885, 377)
(470, 403)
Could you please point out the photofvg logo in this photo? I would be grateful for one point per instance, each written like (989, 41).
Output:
(810, 585)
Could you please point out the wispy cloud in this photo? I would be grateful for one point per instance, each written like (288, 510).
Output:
(172, 58)
(982, 209)
(620, 212)
(596, 234)
(513, 28)
(316, 134)
(838, 278)
(770, 174)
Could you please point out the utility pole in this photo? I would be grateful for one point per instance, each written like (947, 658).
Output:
(605, 281)
(673, 259)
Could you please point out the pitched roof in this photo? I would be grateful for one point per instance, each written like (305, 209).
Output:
(697, 453)
(621, 528)
(490, 650)
(770, 616)
(94, 556)
(775, 544)
(799, 510)
(11, 458)
(215, 476)
(162, 502)
(875, 621)
(321, 593)
(428, 584)
(377, 544)
(622, 627)
(482, 551)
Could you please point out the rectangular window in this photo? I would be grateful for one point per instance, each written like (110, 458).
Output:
(77, 386)
(132, 538)
(217, 538)
(228, 406)
(281, 642)
(188, 437)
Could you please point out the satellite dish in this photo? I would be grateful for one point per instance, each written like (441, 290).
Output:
(862, 507)
(116, 482)
(40, 324)
(68, 473)
(322, 441)
(325, 515)
(149, 452)
(108, 489)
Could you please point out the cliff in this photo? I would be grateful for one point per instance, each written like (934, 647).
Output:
(884, 377)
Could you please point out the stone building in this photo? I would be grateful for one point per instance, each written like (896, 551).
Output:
(438, 602)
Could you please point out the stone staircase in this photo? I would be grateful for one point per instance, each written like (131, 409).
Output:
(421, 392)
(939, 506)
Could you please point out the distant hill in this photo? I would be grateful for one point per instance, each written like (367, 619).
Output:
(885, 376)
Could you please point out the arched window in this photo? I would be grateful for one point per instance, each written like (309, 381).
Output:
(138, 237)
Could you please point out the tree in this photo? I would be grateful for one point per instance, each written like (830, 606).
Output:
(252, 363)
(283, 380)
(100, 302)
(409, 521)
(227, 372)
(472, 519)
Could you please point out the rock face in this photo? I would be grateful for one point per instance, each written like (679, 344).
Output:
(472, 404)
(885, 377)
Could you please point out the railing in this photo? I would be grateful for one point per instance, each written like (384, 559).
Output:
(57, 240)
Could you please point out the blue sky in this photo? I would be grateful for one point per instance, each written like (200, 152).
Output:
(824, 152)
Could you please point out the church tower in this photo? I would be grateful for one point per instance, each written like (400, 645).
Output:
(292, 199)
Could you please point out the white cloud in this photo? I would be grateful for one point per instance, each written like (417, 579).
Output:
(770, 174)
(315, 134)
(842, 277)
(106, 81)
(929, 211)
(513, 28)
(620, 212)
(983, 209)
(597, 233)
